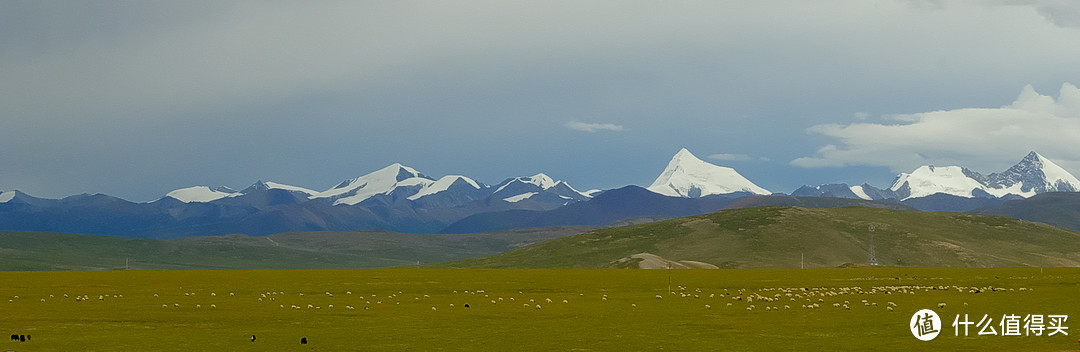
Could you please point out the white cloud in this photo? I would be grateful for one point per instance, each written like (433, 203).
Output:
(593, 127)
(987, 139)
(1064, 13)
(730, 157)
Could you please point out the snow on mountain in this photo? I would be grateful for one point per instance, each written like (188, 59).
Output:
(444, 184)
(539, 183)
(268, 185)
(7, 196)
(860, 192)
(1035, 174)
(689, 177)
(520, 197)
(539, 180)
(200, 194)
(383, 181)
(841, 190)
(930, 180)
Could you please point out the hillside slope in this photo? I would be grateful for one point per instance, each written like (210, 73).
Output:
(1061, 209)
(297, 250)
(787, 237)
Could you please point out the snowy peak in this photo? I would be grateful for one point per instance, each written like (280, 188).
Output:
(447, 183)
(1035, 174)
(929, 180)
(1032, 175)
(516, 189)
(201, 194)
(689, 177)
(383, 181)
(7, 196)
(261, 185)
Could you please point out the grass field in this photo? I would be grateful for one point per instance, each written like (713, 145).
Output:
(604, 309)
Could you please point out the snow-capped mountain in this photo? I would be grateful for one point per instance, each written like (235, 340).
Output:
(268, 185)
(930, 180)
(833, 191)
(1033, 175)
(205, 194)
(539, 186)
(201, 194)
(384, 181)
(689, 177)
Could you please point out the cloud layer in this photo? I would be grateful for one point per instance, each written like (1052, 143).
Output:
(986, 139)
(593, 127)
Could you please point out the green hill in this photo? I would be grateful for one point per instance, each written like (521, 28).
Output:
(790, 237)
(296, 250)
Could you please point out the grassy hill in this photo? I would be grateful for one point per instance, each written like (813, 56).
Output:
(297, 250)
(1061, 209)
(788, 237)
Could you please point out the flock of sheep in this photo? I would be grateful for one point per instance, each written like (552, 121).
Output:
(769, 299)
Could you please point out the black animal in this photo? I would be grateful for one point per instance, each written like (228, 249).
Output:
(252, 338)
(303, 340)
(466, 305)
(14, 337)
(22, 338)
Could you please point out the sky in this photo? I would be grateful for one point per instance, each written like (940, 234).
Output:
(137, 98)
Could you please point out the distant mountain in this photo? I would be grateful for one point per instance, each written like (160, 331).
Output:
(1032, 175)
(814, 202)
(609, 206)
(955, 188)
(792, 237)
(396, 198)
(1061, 209)
(689, 177)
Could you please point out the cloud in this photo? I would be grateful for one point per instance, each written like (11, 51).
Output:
(730, 157)
(1062, 13)
(593, 127)
(987, 139)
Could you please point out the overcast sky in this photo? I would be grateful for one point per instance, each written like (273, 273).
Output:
(137, 98)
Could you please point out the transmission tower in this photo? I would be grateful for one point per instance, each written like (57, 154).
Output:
(871, 257)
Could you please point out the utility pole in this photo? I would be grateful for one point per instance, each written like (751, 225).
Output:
(802, 260)
(872, 258)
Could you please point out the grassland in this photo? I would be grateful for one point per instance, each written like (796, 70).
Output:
(605, 309)
(792, 237)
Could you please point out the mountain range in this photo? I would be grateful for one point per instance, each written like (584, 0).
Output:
(400, 198)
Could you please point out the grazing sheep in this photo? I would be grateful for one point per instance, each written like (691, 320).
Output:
(941, 305)
(890, 308)
(708, 307)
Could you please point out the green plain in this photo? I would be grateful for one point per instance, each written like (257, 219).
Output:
(123, 313)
